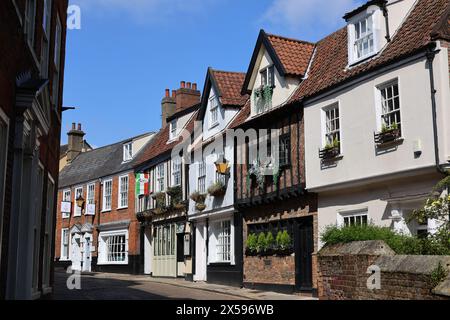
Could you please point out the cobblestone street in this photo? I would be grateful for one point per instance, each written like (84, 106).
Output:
(102, 286)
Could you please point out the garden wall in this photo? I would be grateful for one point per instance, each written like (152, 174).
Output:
(270, 270)
(342, 273)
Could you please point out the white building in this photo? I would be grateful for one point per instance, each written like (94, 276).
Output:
(377, 114)
(218, 226)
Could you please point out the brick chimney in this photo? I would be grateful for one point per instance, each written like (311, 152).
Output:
(76, 142)
(168, 106)
(187, 95)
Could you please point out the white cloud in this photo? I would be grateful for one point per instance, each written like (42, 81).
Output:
(145, 10)
(308, 16)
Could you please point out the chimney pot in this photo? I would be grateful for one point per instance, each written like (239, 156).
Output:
(174, 94)
(79, 127)
(194, 86)
(183, 84)
(73, 125)
(188, 85)
(167, 93)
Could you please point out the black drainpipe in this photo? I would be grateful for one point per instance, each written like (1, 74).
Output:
(386, 19)
(431, 53)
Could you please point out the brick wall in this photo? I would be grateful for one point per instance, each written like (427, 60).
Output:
(342, 273)
(278, 270)
(115, 214)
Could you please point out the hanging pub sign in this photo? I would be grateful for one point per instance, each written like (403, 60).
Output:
(90, 209)
(66, 206)
(142, 184)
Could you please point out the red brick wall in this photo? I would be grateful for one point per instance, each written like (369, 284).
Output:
(344, 277)
(103, 217)
(282, 270)
(15, 59)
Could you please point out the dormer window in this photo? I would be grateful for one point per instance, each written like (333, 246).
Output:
(364, 38)
(173, 129)
(127, 151)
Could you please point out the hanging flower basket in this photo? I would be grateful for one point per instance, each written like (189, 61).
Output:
(198, 197)
(200, 206)
(218, 189)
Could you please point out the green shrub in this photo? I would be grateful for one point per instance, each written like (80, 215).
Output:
(283, 240)
(270, 240)
(261, 243)
(401, 244)
(438, 275)
(252, 242)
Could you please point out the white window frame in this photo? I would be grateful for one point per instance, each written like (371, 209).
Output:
(4, 135)
(213, 111)
(104, 195)
(201, 180)
(122, 202)
(103, 252)
(173, 129)
(160, 177)
(366, 37)
(267, 75)
(348, 214)
(90, 196)
(213, 242)
(62, 256)
(379, 104)
(326, 131)
(176, 171)
(77, 211)
(66, 197)
(128, 151)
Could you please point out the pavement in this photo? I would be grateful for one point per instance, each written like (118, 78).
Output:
(109, 286)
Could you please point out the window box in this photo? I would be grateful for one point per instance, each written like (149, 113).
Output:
(387, 136)
(330, 153)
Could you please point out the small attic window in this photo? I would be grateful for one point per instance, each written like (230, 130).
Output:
(363, 43)
(128, 151)
(173, 129)
(268, 76)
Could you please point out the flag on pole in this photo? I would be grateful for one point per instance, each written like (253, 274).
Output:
(142, 184)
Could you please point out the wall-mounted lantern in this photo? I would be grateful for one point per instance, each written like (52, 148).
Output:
(222, 165)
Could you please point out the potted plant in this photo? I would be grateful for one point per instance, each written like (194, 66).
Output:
(160, 198)
(217, 189)
(176, 194)
(270, 244)
(261, 243)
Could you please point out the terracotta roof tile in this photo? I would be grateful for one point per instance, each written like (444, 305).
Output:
(293, 54)
(160, 145)
(230, 85)
(329, 65)
(242, 116)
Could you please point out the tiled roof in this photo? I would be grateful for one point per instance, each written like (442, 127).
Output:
(329, 65)
(160, 145)
(230, 86)
(98, 163)
(242, 116)
(294, 54)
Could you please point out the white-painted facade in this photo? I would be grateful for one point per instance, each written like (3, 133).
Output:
(382, 183)
(214, 226)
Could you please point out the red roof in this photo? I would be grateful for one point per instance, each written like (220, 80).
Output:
(294, 54)
(230, 85)
(159, 143)
(329, 65)
(242, 116)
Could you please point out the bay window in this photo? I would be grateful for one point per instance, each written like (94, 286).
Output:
(113, 247)
(220, 242)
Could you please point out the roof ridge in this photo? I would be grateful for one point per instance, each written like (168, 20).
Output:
(291, 39)
(224, 71)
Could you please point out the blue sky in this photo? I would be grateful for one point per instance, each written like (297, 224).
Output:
(128, 51)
